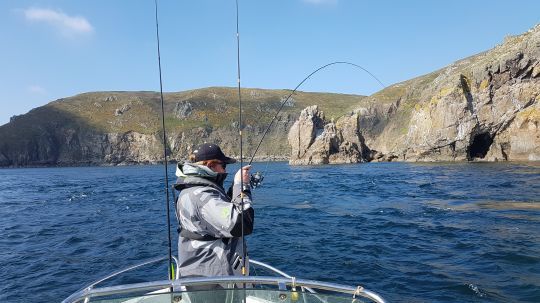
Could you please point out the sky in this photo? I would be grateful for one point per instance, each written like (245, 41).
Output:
(52, 49)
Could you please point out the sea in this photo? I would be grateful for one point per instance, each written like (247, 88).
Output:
(432, 232)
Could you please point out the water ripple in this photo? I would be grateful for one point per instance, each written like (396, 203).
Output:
(413, 232)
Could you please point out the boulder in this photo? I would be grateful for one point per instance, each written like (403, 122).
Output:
(183, 109)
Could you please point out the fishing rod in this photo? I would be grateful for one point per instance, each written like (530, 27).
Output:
(171, 268)
(241, 147)
(257, 178)
(244, 248)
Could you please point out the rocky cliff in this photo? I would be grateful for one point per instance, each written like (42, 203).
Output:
(484, 107)
(117, 128)
(314, 140)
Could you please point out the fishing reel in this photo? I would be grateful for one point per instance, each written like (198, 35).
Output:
(256, 179)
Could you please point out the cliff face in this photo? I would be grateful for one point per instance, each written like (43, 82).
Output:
(64, 141)
(481, 108)
(485, 107)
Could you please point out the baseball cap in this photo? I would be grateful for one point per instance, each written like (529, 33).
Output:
(210, 151)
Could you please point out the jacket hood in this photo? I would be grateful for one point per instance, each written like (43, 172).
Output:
(190, 174)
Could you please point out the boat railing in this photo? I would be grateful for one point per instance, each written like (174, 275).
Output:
(283, 283)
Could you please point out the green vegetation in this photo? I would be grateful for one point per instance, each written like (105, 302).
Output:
(218, 106)
(120, 112)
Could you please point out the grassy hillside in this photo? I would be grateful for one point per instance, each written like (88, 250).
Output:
(216, 107)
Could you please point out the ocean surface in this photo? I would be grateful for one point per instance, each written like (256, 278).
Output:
(465, 232)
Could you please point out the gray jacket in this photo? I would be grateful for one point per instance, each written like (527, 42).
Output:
(209, 243)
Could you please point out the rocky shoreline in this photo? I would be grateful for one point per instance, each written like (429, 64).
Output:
(482, 108)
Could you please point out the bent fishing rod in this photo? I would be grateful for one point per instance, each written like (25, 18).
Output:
(257, 178)
(170, 265)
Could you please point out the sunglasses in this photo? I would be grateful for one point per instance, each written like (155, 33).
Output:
(223, 164)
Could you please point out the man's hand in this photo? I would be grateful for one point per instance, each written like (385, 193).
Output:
(245, 175)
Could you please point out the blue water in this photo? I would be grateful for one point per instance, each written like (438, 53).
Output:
(412, 232)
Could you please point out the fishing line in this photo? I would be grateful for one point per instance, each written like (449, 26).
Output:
(171, 268)
(257, 178)
(296, 88)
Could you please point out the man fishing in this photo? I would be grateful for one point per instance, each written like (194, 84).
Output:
(212, 220)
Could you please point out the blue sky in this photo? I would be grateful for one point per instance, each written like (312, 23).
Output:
(54, 49)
